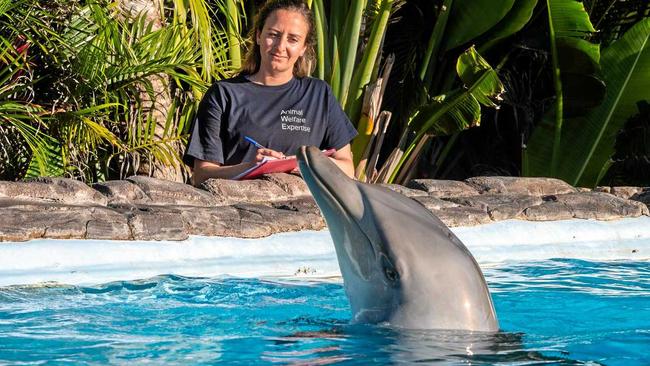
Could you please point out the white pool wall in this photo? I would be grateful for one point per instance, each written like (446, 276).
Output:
(303, 254)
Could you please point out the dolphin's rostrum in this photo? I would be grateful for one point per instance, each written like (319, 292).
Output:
(400, 264)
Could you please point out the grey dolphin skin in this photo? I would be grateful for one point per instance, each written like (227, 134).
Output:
(400, 264)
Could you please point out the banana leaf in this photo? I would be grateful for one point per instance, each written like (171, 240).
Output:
(626, 68)
(458, 110)
(514, 21)
(569, 25)
(471, 18)
(588, 141)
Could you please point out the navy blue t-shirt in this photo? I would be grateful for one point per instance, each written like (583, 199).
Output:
(282, 117)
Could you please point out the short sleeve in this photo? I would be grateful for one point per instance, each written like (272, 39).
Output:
(340, 131)
(205, 142)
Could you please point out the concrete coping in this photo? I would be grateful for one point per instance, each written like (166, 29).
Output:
(144, 208)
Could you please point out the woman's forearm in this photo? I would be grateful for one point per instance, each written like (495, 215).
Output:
(346, 165)
(204, 171)
(343, 159)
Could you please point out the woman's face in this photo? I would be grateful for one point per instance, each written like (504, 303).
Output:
(282, 41)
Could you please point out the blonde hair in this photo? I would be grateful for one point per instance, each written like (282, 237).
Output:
(305, 63)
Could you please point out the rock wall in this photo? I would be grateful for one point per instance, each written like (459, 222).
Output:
(143, 208)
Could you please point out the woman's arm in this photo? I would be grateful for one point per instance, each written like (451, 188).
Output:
(204, 170)
(343, 159)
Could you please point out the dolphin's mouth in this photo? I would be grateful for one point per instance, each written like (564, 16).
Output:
(306, 166)
(329, 193)
(306, 158)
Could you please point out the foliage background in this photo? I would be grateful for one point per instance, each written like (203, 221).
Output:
(100, 90)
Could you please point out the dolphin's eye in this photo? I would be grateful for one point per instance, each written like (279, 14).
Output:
(391, 274)
(389, 270)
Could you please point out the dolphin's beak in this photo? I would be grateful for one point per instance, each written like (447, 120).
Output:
(342, 205)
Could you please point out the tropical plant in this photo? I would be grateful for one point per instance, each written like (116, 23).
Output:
(115, 77)
(19, 118)
(575, 62)
(117, 86)
(588, 140)
(450, 71)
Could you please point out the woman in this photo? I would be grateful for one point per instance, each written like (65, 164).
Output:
(272, 101)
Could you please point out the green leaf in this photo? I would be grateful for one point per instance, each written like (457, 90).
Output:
(322, 52)
(6, 5)
(348, 50)
(578, 55)
(474, 71)
(448, 114)
(459, 110)
(581, 93)
(363, 71)
(429, 61)
(47, 159)
(513, 22)
(471, 18)
(588, 141)
(626, 71)
(568, 24)
(233, 26)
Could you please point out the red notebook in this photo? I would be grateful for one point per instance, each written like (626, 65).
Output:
(273, 166)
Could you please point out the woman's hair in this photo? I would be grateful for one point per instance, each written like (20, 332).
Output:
(304, 65)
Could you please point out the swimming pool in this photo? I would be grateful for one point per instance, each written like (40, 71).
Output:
(557, 311)
(564, 311)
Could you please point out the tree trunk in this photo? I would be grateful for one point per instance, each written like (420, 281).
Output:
(156, 105)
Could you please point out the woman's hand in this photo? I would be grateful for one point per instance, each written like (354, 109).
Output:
(268, 153)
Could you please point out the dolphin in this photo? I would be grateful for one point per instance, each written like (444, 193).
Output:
(400, 264)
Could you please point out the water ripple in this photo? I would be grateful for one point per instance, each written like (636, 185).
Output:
(564, 312)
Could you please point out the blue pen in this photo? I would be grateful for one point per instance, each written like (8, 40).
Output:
(255, 143)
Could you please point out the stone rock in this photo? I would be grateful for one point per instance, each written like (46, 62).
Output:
(442, 188)
(293, 185)
(625, 192)
(601, 206)
(122, 192)
(164, 192)
(107, 224)
(211, 221)
(156, 223)
(548, 211)
(144, 208)
(301, 204)
(643, 197)
(500, 206)
(462, 216)
(516, 185)
(25, 221)
(604, 189)
(228, 192)
(408, 192)
(586, 205)
(260, 220)
(53, 190)
(433, 203)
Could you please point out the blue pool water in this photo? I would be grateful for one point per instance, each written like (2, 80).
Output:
(551, 312)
